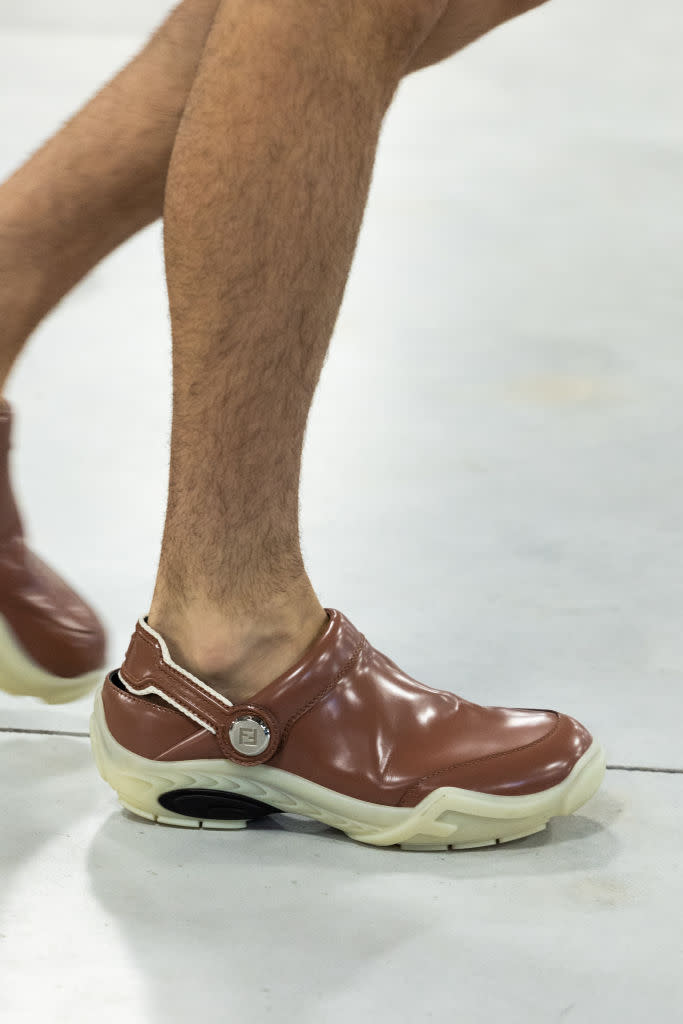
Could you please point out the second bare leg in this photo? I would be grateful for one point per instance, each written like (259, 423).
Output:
(98, 181)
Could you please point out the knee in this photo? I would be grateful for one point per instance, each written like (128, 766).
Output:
(416, 17)
(407, 23)
(421, 14)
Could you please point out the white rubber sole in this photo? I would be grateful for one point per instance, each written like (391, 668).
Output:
(448, 818)
(22, 677)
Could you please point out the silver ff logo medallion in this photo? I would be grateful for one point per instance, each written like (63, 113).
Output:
(249, 736)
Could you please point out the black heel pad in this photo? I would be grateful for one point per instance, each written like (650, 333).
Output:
(214, 805)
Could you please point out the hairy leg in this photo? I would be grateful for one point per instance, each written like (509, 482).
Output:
(96, 182)
(462, 23)
(265, 196)
(90, 188)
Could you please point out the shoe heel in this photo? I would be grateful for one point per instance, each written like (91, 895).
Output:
(184, 820)
(201, 808)
(172, 794)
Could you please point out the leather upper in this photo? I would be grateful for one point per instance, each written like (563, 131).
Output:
(347, 717)
(52, 624)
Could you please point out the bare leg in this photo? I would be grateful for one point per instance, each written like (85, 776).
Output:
(87, 190)
(265, 196)
(98, 181)
(462, 22)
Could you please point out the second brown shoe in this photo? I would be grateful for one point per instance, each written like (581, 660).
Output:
(52, 645)
(344, 737)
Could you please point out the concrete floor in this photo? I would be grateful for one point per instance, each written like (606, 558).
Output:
(491, 491)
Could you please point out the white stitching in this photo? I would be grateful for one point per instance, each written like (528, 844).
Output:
(165, 696)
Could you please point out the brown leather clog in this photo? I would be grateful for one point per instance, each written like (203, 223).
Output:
(344, 737)
(52, 645)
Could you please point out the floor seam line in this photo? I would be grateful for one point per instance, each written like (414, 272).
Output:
(43, 732)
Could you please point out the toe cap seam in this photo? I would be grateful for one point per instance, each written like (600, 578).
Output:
(481, 760)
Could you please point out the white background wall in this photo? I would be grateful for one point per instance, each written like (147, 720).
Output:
(83, 15)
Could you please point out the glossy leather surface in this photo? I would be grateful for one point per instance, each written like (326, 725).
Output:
(348, 718)
(52, 624)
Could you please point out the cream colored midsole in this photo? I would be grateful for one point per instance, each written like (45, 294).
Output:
(447, 816)
(22, 677)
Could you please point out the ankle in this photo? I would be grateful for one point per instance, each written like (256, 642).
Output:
(239, 653)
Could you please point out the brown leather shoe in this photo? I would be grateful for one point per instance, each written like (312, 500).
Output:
(52, 644)
(344, 737)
